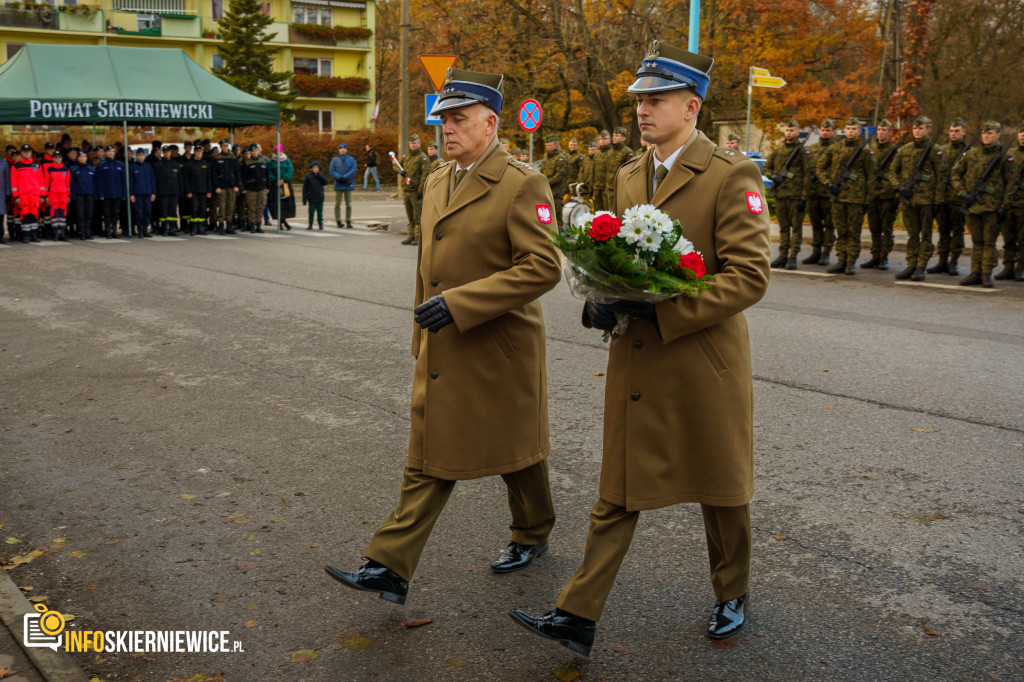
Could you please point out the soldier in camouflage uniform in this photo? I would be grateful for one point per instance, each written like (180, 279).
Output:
(916, 199)
(732, 142)
(586, 174)
(416, 165)
(1014, 204)
(1010, 221)
(435, 161)
(881, 198)
(948, 218)
(983, 214)
(575, 160)
(620, 153)
(819, 205)
(604, 149)
(789, 168)
(848, 203)
(555, 168)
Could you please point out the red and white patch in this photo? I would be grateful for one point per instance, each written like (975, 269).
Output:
(544, 213)
(754, 202)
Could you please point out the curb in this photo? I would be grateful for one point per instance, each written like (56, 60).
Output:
(54, 666)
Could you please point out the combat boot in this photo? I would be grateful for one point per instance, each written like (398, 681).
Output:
(220, 227)
(781, 260)
(971, 280)
(839, 267)
(906, 273)
(954, 269)
(851, 267)
(986, 280)
(791, 263)
(883, 263)
(259, 229)
(25, 237)
(813, 258)
(824, 258)
(1018, 272)
(941, 266)
(1005, 273)
(918, 275)
(873, 263)
(231, 228)
(35, 235)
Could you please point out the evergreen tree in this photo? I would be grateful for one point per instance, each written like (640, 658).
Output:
(249, 57)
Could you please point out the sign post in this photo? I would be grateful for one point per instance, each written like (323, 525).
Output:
(760, 78)
(436, 66)
(530, 115)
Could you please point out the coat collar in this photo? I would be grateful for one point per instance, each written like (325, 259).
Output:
(694, 159)
(487, 171)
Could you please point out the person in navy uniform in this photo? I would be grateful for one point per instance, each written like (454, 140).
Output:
(83, 194)
(143, 193)
(110, 190)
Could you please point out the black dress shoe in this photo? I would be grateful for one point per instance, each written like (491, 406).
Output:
(373, 577)
(563, 627)
(727, 618)
(516, 557)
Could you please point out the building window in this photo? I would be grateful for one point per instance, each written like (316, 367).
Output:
(323, 119)
(218, 61)
(217, 9)
(145, 21)
(311, 15)
(314, 67)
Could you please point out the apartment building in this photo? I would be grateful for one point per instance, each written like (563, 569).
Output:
(328, 45)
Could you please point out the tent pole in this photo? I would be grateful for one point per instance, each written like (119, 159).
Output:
(280, 186)
(127, 174)
(93, 135)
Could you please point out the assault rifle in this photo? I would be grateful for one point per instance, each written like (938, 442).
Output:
(971, 197)
(906, 190)
(953, 162)
(882, 172)
(784, 174)
(845, 174)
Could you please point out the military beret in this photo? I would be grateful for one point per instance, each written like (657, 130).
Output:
(885, 123)
(57, 152)
(553, 137)
(171, 148)
(922, 120)
(196, 141)
(235, 146)
(573, 139)
(65, 138)
(958, 122)
(252, 147)
(205, 142)
(828, 123)
(792, 123)
(621, 131)
(733, 136)
(670, 68)
(853, 121)
(991, 125)
(604, 133)
(462, 88)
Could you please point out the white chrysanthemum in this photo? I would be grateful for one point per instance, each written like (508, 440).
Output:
(584, 219)
(663, 223)
(683, 246)
(634, 231)
(651, 241)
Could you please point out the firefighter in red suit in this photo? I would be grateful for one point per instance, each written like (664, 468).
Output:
(29, 189)
(45, 226)
(58, 181)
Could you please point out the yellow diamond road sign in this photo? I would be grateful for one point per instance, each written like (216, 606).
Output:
(768, 82)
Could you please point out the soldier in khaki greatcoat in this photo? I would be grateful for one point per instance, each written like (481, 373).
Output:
(679, 391)
(479, 394)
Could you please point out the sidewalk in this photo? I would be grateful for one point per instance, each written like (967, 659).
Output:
(27, 664)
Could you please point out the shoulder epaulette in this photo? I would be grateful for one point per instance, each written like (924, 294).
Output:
(523, 167)
(730, 155)
(439, 167)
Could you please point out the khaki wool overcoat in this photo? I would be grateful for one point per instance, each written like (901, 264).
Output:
(679, 395)
(479, 395)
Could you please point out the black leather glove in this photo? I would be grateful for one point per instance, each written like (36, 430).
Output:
(433, 314)
(636, 309)
(419, 195)
(601, 316)
(801, 205)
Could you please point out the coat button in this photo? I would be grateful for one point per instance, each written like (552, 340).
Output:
(635, 396)
(433, 375)
(434, 282)
(638, 344)
(438, 236)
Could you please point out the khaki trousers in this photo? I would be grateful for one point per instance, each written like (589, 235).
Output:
(399, 541)
(611, 531)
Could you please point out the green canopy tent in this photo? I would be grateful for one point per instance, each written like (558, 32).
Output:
(81, 85)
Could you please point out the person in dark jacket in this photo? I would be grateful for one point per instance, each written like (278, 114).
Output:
(110, 190)
(227, 181)
(256, 181)
(142, 181)
(198, 186)
(313, 194)
(83, 190)
(371, 168)
(168, 191)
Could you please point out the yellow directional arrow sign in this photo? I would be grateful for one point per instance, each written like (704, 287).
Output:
(758, 71)
(768, 82)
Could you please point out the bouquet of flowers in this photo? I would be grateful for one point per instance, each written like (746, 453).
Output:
(642, 257)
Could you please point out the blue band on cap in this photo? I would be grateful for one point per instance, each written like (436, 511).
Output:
(466, 90)
(674, 75)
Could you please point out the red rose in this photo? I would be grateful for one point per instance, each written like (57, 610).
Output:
(693, 261)
(604, 227)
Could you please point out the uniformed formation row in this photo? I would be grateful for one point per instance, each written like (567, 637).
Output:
(75, 192)
(975, 182)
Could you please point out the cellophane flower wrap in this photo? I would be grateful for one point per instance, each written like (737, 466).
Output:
(642, 257)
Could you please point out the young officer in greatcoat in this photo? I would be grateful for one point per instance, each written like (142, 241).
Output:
(479, 394)
(679, 391)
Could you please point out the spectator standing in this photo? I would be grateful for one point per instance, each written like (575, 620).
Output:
(371, 168)
(313, 194)
(282, 184)
(343, 170)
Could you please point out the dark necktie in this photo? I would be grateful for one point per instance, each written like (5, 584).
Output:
(459, 175)
(659, 176)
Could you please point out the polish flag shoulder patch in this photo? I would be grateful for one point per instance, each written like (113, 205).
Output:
(544, 213)
(754, 202)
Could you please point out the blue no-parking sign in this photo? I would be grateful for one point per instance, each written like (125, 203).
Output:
(530, 115)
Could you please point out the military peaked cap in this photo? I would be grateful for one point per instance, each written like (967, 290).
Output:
(853, 121)
(670, 68)
(621, 130)
(991, 125)
(462, 88)
(958, 121)
(922, 121)
(733, 137)
(828, 123)
(885, 123)
(792, 123)
(604, 133)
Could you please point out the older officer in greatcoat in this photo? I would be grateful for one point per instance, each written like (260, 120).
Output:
(479, 395)
(678, 397)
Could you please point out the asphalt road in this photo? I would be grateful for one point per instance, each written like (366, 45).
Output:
(210, 421)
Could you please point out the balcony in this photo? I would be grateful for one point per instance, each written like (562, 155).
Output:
(87, 20)
(29, 15)
(152, 7)
(309, 85)
(329, 36)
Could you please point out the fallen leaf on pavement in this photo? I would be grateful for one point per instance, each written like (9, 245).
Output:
(725, 644)
(914, 428)
(78, 554)
(246, 565)
(567, 674)
(255, 552)
(937, 517)
(251, 607)
(4, 672)
(621, 650)
(303, 656)
(418, 623)
(780, 536)
(271, 440)
(976, 584)
(354, 640)
(829, 407)
(314, 545)
(931, 632)
(598, 374)
(252, 623)
(22, 559)
(39, 599)
(248, 537)
(12, 541)
(221, 597)
(187, 496)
